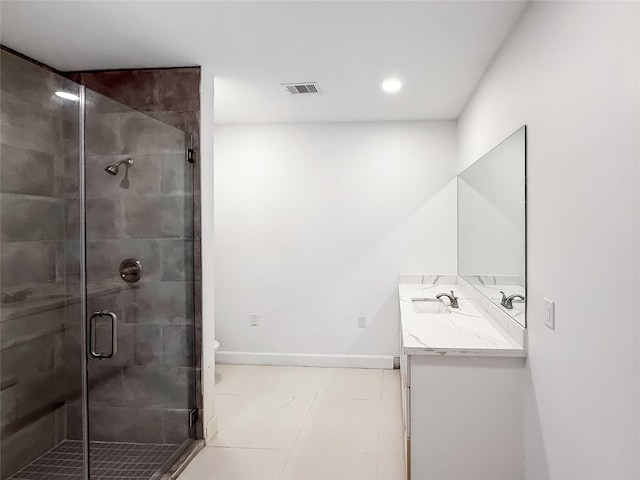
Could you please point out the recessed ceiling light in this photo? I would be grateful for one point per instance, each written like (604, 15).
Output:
(68, 96)
(391, 85)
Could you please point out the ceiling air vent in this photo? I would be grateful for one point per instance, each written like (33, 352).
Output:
(301, 88)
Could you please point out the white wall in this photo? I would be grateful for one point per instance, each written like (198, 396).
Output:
(313, 223)
(570, 72)
(208, 307)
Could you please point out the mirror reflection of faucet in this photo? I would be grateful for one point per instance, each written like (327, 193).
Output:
(452, 298)
(507, 302)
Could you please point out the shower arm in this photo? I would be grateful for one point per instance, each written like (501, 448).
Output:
(128, 161)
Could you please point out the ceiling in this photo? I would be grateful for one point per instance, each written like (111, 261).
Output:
(439, 49)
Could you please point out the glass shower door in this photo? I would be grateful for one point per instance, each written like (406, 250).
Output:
(40, 361)
(138, 215)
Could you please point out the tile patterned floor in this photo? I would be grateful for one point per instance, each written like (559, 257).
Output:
(109, 461)
(304, 423)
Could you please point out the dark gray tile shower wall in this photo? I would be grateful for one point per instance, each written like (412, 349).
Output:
(171, 96)
(143, 394)
(33, 150)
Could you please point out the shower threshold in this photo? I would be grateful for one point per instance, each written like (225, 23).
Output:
(109, 461)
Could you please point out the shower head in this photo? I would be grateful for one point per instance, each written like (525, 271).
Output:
(112, 169)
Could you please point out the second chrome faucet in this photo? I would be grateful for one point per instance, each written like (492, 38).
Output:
(507, 302)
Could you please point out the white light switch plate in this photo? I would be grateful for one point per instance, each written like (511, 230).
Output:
(549, 314)
(254, 318)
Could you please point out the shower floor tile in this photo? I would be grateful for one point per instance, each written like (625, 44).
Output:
(109, 461)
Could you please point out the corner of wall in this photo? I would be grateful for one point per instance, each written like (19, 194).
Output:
(206, 189)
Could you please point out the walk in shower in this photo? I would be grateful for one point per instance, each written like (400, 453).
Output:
(98, 376)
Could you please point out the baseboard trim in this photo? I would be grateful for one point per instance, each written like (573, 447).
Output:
(305, 360)
(211, 429)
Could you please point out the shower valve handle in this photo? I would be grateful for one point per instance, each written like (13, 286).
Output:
(130, 270)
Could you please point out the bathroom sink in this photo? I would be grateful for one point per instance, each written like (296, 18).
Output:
(429, 305)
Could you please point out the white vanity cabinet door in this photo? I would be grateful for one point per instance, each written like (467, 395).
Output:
(405, 384)
(405, 370)
(465, 418)
(405, 381)
(406, 406)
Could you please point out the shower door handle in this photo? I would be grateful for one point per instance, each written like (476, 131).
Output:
(92, 340)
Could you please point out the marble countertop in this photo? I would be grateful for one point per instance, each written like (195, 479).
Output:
(465, 331)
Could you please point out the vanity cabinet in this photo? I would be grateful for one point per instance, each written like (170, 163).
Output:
(462, 417)
(461, 378)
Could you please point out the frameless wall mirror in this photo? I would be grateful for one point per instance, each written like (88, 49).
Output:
(492, 225)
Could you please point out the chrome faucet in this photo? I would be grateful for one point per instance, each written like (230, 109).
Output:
(507, 302)
(452, 299)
